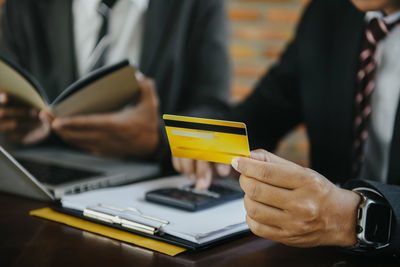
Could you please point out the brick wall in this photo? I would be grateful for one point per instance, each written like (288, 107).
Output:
(260, 31)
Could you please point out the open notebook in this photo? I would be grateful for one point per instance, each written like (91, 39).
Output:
(126, 207)
(103, 90)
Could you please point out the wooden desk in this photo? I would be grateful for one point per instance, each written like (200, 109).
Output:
(30, 241)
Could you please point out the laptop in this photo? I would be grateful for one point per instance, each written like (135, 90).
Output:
(48, 173)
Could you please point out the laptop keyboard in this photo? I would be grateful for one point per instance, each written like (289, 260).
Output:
(53, 174)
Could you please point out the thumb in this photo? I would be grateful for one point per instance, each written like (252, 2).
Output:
(44, 115)
(3, 98)
(263, 155)
(148, 92)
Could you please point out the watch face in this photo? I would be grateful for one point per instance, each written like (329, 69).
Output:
(377, 227)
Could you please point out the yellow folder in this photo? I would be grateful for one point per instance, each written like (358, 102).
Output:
(110, 232)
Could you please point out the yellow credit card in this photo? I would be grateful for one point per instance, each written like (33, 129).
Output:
(206, 139)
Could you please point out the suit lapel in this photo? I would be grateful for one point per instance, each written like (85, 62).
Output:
(159, 15)
(394, 160)
(345, 50)
(61, 35)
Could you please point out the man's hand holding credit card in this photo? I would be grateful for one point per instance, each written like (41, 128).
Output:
(206, 139)
(195, 143)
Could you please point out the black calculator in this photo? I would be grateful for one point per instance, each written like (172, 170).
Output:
(189, 199)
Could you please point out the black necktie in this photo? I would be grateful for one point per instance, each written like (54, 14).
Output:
(104, 10)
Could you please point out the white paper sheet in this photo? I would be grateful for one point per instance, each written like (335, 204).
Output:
(198, 227)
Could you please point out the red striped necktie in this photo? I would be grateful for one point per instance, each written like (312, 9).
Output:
(375, 32)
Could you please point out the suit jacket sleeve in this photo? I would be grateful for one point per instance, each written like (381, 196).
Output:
(9, 47)
(392, 194)
(274, 108)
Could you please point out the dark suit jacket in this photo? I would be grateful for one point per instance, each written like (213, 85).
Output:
(314, 83)
(185, 49)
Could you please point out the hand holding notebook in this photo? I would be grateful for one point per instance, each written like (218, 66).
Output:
(22, 99)
(132, 131)
(103, 90)
(22, 124)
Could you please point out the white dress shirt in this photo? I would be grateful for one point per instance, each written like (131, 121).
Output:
(126, 26)
(385, 100)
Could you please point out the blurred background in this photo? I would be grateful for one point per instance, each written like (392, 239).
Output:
(260, 31)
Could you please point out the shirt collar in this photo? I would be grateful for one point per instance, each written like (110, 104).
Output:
(91, 5)
(392, 18)
(139, 3)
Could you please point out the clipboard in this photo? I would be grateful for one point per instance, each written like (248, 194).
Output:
(110, 232)
(159, 237)
(156, 221)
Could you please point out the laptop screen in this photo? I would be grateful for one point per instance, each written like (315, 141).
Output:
(54, 174)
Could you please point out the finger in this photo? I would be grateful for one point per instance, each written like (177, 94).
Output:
(8, 126)
(45, 116)
(280, 175)
(18, 112)
(139, 76)
(176, 162)
(263, 155)
(264, 230)
(265, 214)
(188, 167)
(203, 174)
(81, 122)
(26, 125)
(3, 98)
(36, 134)
(259, 154)
(223, 170)
(16, 137)
(148, 91)
(282, 235)
(17, 126)
(264, 193)
(29, 133)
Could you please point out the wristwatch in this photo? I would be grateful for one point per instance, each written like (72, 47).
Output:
(374, 218)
